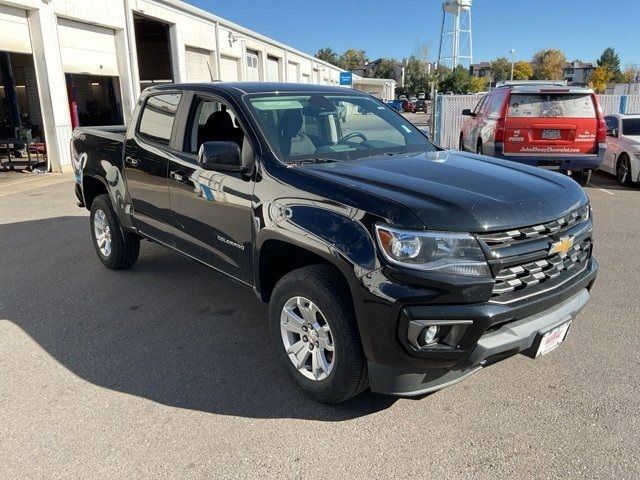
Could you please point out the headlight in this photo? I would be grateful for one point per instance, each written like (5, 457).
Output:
(440, 252)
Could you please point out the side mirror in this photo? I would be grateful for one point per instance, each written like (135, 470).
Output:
(220, 157)
(467, 112)
(612, 132)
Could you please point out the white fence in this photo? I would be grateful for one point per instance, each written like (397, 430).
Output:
(447, 115)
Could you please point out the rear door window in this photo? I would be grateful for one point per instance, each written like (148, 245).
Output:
(158, 116)
(551, 106)
(494, 107)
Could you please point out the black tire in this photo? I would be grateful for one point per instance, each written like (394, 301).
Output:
(623, 171)
(461, 144)
(325, 287)
(125, 247)
(582, 177)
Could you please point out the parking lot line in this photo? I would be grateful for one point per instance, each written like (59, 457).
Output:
(601, 189)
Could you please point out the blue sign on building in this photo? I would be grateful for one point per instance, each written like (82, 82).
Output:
(346, 78)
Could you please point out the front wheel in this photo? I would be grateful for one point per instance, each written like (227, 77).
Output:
(116, 248)
(623, 171)
(314, 331)
(582, 177)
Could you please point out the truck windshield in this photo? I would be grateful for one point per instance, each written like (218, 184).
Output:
(334, 127)
(631, 126)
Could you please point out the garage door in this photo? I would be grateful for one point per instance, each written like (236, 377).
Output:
(199, 65)
(14, 30)
(273, 70)
(87, 49)
(293, 72)
(229, 67)
(253, 72)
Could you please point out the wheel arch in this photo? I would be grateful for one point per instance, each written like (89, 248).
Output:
(276, 256)
(92, 186)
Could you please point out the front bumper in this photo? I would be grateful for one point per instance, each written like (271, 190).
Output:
(555, 161)
(520, 336)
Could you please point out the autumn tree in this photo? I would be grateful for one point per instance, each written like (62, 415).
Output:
(386, 68)
(477, 84)
(459, 81)
(352, 59)
(416, 75)
(599, 79)
(631, 74)
(500, 69)
(328, 55)
(548, 64)
(611, 61)
(522, 71)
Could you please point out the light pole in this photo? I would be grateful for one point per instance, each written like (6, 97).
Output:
(512, 61)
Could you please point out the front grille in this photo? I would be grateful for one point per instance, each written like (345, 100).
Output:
(521, 261)
(519, 277)
(555, 227)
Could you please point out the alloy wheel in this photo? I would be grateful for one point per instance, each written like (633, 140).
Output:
(307, 338)
(102, 232)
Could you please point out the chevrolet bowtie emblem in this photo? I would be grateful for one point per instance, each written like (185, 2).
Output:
(562, 246)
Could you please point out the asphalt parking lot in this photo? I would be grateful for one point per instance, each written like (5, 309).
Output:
(166, 371)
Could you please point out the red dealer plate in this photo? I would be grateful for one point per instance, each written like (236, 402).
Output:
(553, 338)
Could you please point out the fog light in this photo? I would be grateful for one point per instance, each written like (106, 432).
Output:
(429, 335)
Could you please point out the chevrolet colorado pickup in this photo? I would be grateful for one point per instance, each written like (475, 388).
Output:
(388, 263)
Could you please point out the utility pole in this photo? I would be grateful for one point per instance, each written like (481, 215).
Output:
(512, 62)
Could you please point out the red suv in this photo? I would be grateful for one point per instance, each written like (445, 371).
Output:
(540, 124)
(408, 106)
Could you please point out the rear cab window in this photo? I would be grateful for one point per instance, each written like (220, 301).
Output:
(550, 123)
(158, 117)
(551, 106)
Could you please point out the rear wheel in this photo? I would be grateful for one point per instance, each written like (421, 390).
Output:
(623, 171)
(116, 248)
(314, 331)
(582, 177)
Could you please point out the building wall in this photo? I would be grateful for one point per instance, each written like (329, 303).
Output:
(190, 29)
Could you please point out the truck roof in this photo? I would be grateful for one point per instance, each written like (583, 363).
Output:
(257, 87)
(543, 87)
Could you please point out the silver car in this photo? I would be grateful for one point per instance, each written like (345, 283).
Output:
(623, 148)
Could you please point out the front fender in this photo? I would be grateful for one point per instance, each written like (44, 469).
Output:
(339, 234)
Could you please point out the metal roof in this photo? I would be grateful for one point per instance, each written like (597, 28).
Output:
(259, 87)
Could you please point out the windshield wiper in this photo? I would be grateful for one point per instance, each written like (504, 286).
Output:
(302, 161)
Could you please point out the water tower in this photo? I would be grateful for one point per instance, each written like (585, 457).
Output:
(455, 35)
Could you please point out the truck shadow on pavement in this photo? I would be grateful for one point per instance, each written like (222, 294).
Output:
(169, 330)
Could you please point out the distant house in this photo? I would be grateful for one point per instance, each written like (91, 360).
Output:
(368, 70)
(577, 73)
(482, 69)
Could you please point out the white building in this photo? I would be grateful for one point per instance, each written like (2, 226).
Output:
(66, 63)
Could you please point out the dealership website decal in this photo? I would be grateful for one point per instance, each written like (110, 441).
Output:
(549, 150)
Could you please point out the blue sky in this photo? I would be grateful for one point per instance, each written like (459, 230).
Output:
(581, 28)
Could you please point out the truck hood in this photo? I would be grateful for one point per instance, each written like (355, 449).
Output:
(457, 191)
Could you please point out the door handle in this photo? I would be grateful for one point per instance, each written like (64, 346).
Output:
(177, 175)
(134, 162)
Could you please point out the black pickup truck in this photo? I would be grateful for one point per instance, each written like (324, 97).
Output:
(387, 261)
